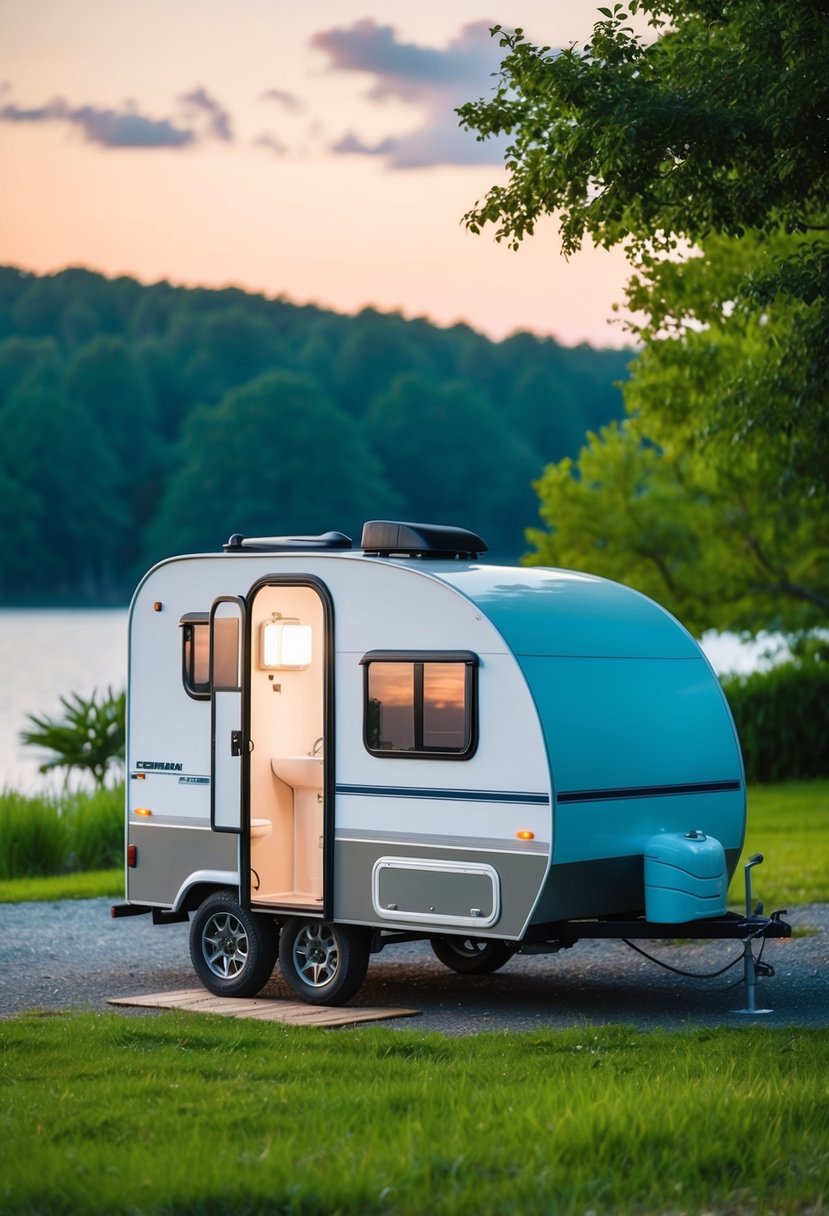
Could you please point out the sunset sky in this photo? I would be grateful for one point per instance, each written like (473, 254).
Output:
(309, 151)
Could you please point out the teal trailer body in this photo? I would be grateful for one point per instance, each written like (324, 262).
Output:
(638, 734)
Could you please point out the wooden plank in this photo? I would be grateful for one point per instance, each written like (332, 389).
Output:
(266, 1009)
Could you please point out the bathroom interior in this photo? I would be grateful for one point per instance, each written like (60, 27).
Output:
(288, 748)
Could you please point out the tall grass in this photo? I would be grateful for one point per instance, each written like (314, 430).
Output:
(188, 1114)
(60, 833)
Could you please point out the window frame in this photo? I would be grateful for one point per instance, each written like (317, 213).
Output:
(197, 691)
(419, 659)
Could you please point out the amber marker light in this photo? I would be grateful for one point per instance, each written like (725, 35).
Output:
(143, 810)
(525, 834)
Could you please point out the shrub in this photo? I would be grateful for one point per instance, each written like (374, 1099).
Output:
(33, 836)
(89, 737)
(95, 825)
(47, 835)
(782, 718)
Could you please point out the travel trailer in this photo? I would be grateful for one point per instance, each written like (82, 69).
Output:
(334, 749)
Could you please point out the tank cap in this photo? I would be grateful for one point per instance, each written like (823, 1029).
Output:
(695, 834)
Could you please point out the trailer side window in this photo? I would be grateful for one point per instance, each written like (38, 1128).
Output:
(420, 704)
(195, 654)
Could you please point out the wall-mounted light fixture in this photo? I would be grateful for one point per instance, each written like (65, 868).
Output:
(284, 645)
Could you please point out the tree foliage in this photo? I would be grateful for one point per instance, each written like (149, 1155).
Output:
(240, 460)
(143, 421)
(702, 149)
(714, 122)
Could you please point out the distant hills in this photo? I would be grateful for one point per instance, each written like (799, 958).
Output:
(140, 421)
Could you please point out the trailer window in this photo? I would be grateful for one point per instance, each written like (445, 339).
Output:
(195, 654)
(420, 705)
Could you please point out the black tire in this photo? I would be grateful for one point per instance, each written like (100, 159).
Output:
(233, 950)
(471, 955)
(325, 964)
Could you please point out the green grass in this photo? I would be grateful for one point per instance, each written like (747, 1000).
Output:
(192, 1114)
(93, 884)
(60, 833)
(789, 825)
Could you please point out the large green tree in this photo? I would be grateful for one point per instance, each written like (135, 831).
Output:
(60, 493)
(437, 441)
(274, 457)
(701, 147)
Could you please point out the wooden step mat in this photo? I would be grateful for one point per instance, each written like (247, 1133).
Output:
(266, 1009)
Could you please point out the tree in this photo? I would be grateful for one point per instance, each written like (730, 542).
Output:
(274, 457)
(234, 346)
(94, 428)
(702, 149)
(106, 380)
(453, 457)
(59, 472)
(376, 349)
(716, 124)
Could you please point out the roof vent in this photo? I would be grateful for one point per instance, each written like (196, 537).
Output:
(385, 538)
(286, 544)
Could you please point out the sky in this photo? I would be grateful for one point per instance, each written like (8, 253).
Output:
(308, 151)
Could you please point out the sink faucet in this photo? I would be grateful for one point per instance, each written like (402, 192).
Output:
(316, 750)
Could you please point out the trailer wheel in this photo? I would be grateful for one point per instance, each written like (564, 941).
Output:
(233, 950)
(471, 955)
(325, 964)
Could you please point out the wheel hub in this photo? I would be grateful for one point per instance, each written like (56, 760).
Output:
(316, 956)
(225, 945)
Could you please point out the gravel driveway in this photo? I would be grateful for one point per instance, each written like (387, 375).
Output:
(72, 955)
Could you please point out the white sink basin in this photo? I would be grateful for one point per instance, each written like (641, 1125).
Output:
(301, 772)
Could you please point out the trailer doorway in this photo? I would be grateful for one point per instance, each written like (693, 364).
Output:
(291, 732)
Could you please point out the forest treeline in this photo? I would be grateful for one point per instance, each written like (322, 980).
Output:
(140, 421)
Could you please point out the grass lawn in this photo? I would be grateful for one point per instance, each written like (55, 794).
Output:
(184, 1113)
(789, 825)
(92, 885)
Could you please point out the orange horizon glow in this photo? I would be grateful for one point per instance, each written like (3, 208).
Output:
(268, 204)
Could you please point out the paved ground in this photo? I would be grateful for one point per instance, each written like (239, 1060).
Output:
(73, 955)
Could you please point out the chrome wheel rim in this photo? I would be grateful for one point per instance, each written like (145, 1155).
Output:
(224, 944)
(316, 955)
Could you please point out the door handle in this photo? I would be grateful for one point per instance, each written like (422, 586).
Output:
(235, 743)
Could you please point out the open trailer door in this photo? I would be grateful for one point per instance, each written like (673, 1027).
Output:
(228, 749)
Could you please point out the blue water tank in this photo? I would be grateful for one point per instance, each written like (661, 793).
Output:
(685, 877)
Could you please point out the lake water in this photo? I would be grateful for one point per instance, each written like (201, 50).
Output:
(49, 653)
(45, 655)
